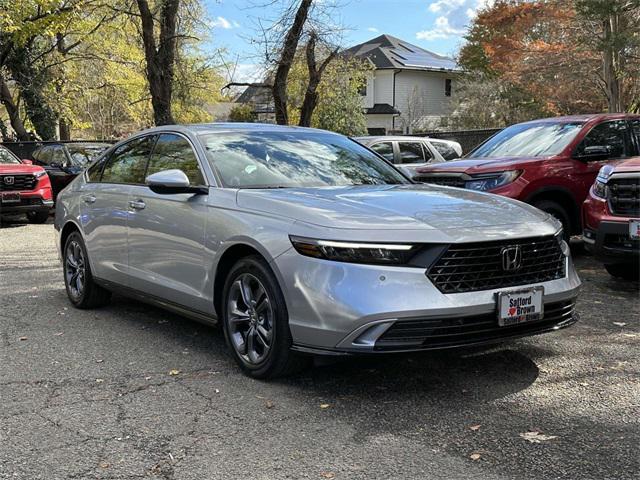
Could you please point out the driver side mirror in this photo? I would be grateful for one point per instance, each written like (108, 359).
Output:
(593, 153)
(26, 161)
(171, 182)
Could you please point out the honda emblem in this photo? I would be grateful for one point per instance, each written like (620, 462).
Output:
(511, 258)
(9, 180)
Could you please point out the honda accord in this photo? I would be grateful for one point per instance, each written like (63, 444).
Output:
(301, 241)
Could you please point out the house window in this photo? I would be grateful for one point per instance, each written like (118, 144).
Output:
(447, 87)
(362, 91)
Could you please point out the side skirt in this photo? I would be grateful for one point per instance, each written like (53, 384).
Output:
(198, 316)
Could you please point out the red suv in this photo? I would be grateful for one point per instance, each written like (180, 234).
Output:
(611, 218)
(24, 188)
(550, 163)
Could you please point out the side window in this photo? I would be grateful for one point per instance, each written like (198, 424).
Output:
(635, 128)
(94, 171)
(411, 152)
(128, 162)
(174, 151)
(58, 157)
(43, 155)
(384, 149)
(444, 149)
(612, 135)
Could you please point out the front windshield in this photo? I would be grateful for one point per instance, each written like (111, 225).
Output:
(83, 155)
(294, 159)
(7, 157)
(543, 139)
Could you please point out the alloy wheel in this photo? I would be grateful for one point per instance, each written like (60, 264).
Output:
(250, 319)
(75, 268)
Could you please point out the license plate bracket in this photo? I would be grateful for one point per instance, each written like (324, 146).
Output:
(11, 197)
(520, 306)
(634, 229)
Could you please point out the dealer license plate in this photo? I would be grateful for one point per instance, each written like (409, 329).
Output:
(634, 229)
(520, 306)
(12, 197)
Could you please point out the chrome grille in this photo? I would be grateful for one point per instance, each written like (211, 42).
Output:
(624, 196)
(9, 183)
(447, 181)
(471, 267)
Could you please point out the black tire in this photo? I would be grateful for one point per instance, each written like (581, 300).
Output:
(558, 212)
(278, 359)
(38, 217)
(86, 294)
(627, 271)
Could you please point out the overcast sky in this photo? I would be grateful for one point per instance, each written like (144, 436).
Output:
(437, 25)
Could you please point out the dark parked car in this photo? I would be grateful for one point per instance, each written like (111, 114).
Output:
(550, 163)
(65, 161)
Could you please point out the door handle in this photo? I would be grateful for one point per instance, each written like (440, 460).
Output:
(89, 199)
(137, 205)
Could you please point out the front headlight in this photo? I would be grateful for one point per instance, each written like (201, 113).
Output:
(564, 246)
(600, 189)
(490, 181)
(40, 174)
(355, 252)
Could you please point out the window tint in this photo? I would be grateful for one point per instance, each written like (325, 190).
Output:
(128, 162)
(173, 151)
(411, 152)
(444, 149)
(609, 134)
(384, 149)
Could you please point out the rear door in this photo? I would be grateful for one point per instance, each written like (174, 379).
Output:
(51, 158)
(411, 155)
(166, 231)
(105, 207)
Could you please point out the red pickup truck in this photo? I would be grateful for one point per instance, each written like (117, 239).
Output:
(550, 163)
(24, 188)
(611, 218)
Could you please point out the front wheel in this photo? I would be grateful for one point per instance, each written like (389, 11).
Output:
(82, 290)
(558, 212)
(255, 321)
(628, 271)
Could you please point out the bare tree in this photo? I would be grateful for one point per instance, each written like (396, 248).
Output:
(6, 98)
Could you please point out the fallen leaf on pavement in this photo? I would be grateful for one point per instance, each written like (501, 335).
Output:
(104, 465)
(327, 475)
(99, 380)
(58, 334)
(324, 406)
(174, 372)
(22, 339)
(268, 404)
(475, 428)
(474, 456)
(537, 437)
(620, 324)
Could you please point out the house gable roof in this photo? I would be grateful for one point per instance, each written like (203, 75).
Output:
(386, 51)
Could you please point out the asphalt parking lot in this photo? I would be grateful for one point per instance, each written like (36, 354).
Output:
(130, 391)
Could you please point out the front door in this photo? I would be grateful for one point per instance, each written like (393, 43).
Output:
(166, 231)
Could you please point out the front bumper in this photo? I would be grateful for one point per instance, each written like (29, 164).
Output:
(611, 243)
(342, 308)
(27, 204)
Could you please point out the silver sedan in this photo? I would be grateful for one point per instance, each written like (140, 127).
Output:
(300, 242)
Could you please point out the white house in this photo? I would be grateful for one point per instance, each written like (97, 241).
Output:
(410, 88)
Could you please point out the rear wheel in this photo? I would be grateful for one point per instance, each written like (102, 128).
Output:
(82, 291)
(558, 212)
(256, 322)
(623, 270)
(38, 217)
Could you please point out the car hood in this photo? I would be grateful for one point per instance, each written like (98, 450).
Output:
(631, 165)
(390, 207)
(18, 168)
(478, 165)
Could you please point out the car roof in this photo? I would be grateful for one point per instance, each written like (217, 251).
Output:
(201, 128)
(394, 138)
(584, 118)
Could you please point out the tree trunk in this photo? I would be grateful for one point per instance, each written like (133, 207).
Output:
(65, 129)
(161, 59)
(287, 56)
(31, 85)
(12, 109)
(315, 77)
(611, 64)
